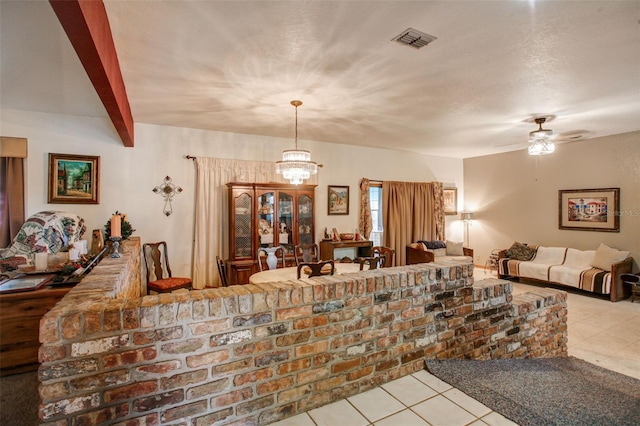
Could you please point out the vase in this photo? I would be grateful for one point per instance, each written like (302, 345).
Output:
(272, 259)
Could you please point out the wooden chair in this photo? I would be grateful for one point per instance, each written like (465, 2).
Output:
(222, 271)
(271, 253)
(159, 278)
(374, 262)
(387, 251)
(318, 269)
(306, 253)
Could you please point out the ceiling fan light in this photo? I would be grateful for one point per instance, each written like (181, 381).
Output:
(541, 147)
(540, 140)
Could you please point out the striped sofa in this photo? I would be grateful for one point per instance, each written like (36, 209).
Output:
(596, 271)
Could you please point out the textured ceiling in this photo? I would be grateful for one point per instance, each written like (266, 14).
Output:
(235, 65)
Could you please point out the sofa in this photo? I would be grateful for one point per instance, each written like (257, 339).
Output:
(435, 251)
(597, 271)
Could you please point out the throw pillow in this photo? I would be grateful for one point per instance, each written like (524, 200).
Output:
(454, 249)
(439, 252)
(519, 251)
(607, 256)
(432, 245)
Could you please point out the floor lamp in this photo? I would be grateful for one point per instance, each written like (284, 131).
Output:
(467, 217)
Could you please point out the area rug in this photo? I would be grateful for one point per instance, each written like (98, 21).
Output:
(19, 399)
(551, 391)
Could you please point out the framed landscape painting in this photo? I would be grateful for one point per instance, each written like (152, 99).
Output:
(338, 200)
(589, 209)
(74, 179)
(450, 201)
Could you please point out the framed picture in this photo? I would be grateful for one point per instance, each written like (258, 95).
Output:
(74, 179)
(450, 201)
(20, 283)
(338, 200)
(589, 209)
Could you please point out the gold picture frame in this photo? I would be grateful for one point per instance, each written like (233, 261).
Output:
(74, 179)
(450, 201)
(589, 209)
(337, 200)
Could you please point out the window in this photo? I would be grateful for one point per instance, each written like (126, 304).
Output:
(375, 200)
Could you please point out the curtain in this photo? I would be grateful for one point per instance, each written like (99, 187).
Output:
(411, 211)
(364, 218)
(211, 222)
(11, 198)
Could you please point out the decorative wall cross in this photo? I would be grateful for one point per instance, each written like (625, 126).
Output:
(167, 190)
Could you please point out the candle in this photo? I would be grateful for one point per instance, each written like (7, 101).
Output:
(115, 225)
(74, 254)
(81, 245)
(42, 261)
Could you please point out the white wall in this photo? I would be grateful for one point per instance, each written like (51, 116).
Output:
(128, 175)
(515, 196)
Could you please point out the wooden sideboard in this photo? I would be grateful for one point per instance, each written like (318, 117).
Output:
(331, 250)
(20, 315)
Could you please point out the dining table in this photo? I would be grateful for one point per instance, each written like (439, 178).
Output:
(291, 273)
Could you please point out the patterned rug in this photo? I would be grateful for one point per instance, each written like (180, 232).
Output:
(551, 391)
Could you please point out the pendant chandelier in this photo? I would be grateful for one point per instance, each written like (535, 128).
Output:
(540, 142)
(296, 164)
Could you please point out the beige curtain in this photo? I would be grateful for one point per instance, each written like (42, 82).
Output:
(411, 211)
(211, 222)
(12, 154)
(364, 218)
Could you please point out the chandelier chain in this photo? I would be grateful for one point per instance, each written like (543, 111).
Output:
(296, 126)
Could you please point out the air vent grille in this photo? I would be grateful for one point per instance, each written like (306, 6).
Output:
(414, 38)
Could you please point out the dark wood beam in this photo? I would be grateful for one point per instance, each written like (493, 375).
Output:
(87, 26)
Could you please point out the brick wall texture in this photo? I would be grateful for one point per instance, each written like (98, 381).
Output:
(255, 354)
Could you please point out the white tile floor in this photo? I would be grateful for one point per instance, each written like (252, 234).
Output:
(603, 333)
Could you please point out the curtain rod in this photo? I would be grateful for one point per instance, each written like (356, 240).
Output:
(191, 157)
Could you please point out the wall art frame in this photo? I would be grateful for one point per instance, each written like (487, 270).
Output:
(589, 209)
(450, 201)
(74, 179)
(337, 200)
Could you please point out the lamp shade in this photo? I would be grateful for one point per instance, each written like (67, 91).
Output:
(467, 215)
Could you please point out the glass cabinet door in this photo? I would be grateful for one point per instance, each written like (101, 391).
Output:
(243, 214)
(305, 219)
(266, 219)
(285, 221)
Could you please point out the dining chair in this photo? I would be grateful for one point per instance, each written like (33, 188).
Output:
(271, 258)
(306, 253)
(374, 262)
(634, 281)
(159, 277)
(317, 269)
(222, 271)
(387, 251)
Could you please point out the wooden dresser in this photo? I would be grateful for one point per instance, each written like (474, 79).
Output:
(20, 315)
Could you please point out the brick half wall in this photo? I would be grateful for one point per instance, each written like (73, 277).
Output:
(255, 354)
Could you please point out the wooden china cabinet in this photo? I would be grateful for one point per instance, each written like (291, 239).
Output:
(266, 215)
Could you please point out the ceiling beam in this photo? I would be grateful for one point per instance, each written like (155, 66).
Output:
(87, 26)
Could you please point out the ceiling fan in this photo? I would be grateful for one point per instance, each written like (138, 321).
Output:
(542, 141)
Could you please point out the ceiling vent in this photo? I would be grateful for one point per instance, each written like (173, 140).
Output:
(414, 38)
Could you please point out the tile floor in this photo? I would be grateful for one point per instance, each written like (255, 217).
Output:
(603, 333)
